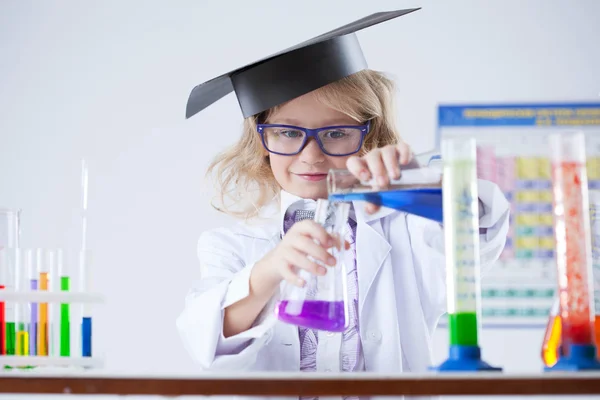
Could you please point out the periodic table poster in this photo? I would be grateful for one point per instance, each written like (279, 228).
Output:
(513, 151)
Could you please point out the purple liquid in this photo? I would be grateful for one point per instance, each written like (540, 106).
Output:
(34, 320)
(315, 314)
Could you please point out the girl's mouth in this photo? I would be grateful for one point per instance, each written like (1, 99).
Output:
(312, 177)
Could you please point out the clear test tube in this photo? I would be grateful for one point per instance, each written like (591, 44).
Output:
(21, 308)
(461, 230)
(32, 282)
(573, 247)
(85, 286)
(45, 263)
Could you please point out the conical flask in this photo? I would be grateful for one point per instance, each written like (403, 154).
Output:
(322, 303)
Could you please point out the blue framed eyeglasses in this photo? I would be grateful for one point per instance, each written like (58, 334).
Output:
(289, 140)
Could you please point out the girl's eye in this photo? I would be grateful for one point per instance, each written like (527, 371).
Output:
(335, 134)
(290, 134)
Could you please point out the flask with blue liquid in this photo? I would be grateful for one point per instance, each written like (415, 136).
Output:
(418, 191)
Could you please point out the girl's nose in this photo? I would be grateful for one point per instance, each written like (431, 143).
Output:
(311, 153)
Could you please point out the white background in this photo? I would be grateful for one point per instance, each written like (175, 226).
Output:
(108, 81)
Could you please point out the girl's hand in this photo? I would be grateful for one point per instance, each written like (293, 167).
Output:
(381, 165)
(293, 252)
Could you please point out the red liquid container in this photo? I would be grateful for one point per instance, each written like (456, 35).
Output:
(573, 252)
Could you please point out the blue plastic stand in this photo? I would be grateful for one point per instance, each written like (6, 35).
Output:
(580, 357)
(465, 358)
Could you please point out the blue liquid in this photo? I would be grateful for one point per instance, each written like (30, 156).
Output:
(426, 203)
(86, 337)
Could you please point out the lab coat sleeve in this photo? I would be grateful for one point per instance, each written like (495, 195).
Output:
(225, 280)
(427, 243)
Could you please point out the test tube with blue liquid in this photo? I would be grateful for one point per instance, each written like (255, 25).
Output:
(85, 279)
(461, 234)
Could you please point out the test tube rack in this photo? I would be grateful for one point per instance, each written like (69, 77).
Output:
(56, 351)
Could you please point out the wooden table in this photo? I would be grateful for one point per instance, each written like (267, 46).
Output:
(278, 384)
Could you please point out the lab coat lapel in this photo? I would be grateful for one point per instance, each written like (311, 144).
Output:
(372, 248)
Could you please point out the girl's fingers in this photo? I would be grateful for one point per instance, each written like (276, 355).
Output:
(390, 157)
(359, 168)
(405, 153)
(377, 168)
(371, 208)
(300, 260)
(310, 228)
(307, 246)
(288, 274)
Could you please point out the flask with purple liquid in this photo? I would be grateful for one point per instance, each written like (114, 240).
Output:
(322, 303)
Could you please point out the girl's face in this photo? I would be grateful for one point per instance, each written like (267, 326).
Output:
(305, 174)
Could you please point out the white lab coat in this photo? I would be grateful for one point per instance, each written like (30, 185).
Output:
(401, 285)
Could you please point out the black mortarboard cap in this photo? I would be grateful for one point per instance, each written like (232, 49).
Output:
(292, 72)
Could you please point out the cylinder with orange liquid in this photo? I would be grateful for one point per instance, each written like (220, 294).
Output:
(551, 347)
(573, 252)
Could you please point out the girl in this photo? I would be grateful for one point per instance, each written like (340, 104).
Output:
(396, 279)
(228, 322)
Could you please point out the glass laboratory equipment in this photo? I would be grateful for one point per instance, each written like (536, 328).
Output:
(9, 228)
(322, 303)
(418, 191)
(461, 233)
(21, 259)
(85, 280)
(45, 262)
(552, 344)
(573, 251)
(552, 348)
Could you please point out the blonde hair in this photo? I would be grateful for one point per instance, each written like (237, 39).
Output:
(245, 182)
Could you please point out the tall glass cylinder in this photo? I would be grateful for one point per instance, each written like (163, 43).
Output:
(572, 237)
(595, 235)
(9, 228)
(461, 231)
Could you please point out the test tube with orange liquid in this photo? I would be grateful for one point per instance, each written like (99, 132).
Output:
(551, 347)
(577, 348)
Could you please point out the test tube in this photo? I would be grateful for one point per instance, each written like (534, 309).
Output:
(85, 280)
(7, 270)
(22, 309)
(30, 266)
(3, 284)
(461, 233)
(573, 250)
(65, 320)
(55, 308)
(45, 260)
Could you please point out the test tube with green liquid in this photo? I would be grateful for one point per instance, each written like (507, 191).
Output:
(65, 318)
(461, 235)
